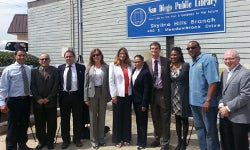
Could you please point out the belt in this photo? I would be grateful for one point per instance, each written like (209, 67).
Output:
(98, 86)
(70, 92)
(21, 97)
(158, 89)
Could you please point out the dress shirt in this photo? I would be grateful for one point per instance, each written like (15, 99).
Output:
(11, 84)
(159, 71)
(74, 86)
(136, 73)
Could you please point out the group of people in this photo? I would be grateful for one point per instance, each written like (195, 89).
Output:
(165, 85)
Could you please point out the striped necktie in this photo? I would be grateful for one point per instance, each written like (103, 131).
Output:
(25, 81)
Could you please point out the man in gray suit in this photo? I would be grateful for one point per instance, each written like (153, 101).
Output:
(44, 86)
(160, 103)
(234, 104)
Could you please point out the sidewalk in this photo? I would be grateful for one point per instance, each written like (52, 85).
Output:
(193, 144)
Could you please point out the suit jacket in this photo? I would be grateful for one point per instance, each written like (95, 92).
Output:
(89, 84)
(165, 75)
(80, 70)
(45, 87)
(182, 82)
(117, 82)
(142, 87)
(236, 94)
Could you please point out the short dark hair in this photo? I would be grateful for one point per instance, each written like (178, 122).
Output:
(140, 56)
(69, 51)
(155, 43)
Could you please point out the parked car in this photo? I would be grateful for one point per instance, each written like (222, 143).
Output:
(11, 45)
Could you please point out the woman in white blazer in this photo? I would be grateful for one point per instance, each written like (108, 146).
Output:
(96, 96)
(121, 90)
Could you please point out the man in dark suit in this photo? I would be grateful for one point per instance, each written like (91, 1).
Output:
(161, 96)
(44, 87)
(234, 104)
(71, 98)
(141, 91)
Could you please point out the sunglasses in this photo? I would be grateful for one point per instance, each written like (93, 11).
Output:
(193, 47)
(95, 55)
(46, 59)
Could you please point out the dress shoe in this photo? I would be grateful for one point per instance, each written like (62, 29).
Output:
(164, 148)
(78, 143)
(39, 146)
(65, 145)
(24, 147)
(102, 144)
(140, 147)
(155, 144)
(50, 146)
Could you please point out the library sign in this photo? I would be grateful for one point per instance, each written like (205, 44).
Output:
(178, 17)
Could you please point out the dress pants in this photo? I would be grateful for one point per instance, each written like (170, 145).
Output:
(122, 120)
(142, 124)
(234, 136)
(161, 113)
(18, 121)
(46, 124)
(97, 113)
(71, 102)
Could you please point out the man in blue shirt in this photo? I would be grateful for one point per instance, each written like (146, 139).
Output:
(203, 79)
(15, 99)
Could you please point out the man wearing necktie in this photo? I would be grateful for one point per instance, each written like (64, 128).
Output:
(71, 98)
(15, 99)
(160, 103)
(44, 87)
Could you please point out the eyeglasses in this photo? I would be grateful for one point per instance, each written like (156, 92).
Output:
(45, 59)
(193, 47)
(95, 55)
(229, 59)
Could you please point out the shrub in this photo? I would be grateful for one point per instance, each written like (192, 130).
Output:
(7, 58)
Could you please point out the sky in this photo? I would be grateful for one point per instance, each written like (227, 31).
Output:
(8, 8)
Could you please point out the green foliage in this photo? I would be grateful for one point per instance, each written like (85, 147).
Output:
(7, 58)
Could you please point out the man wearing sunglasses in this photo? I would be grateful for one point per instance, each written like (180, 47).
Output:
(44, 87)
(203, 79)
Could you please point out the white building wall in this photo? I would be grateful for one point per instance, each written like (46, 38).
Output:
(49, 28)
(104, 26)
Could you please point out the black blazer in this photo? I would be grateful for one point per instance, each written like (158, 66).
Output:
(142, 88)
(45, 87)
(80, 69)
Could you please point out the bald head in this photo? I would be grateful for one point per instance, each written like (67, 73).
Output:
(231, 58)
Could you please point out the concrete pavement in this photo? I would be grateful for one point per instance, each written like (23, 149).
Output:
(193, 144)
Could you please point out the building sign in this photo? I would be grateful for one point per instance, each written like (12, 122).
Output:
(175, 17)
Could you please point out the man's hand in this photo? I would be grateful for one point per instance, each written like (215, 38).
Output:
(4, 109)
(143, 109)
(206, 106)
(88, 103)
(40, 101)
(114, 100)
(224, 112)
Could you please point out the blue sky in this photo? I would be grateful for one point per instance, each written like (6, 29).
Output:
(8, 8)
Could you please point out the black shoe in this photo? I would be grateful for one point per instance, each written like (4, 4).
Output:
(155, 144)
(65, 145)
(95, 147)
(39, 146)
(78, 143)
(50, 146)
(24, 147)
(164, 148)
(102, 144)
